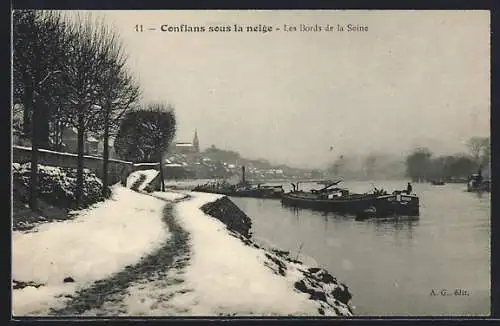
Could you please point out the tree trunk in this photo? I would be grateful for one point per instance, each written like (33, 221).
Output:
(34, 161)
(57, 136)
(43, 129)
(162, 177)
(28, 102)
(79, 169)
(105, 154)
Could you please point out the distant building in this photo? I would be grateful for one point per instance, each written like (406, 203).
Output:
(70, 142)
(184, 148)
(91, 144)
(111, 149)
(177, 171)
(196, 143)
(188, 148)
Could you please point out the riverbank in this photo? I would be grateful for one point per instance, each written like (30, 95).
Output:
(184, 262)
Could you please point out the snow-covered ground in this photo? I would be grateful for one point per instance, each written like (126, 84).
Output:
(149, 176)
(223, 277)
(101, 241)
(230, 277)
(217, 274)
(169, 195)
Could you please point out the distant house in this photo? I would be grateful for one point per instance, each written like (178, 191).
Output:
(92, 145)
(184, 148)
(70, 142)
(177, 171)
(111, 149)
(187, 148)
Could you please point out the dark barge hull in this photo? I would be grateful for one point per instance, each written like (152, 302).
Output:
(384, 206)
(243, 193)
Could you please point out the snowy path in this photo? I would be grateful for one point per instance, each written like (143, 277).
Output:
(107, 296)
(100, 242)
(159, 254)
(224, 277)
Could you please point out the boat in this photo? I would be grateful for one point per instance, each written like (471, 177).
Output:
(258, 191)
(455, 180)
(437, 182)
(476, 183)
(483, 186)
(375, 204)
(242, 189)
(254, 191)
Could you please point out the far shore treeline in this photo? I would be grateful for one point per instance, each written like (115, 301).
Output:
(422, 165)
(70, 71)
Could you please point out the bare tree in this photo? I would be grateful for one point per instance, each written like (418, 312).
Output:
(68, 71)
(478, 147)
(418, 164)
(120, 92)
(486, 155)
(38, 41)
(93, 51)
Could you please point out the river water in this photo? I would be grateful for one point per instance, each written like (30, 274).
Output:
(393, 267)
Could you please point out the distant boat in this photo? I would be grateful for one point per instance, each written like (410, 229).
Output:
(376, 204)
(437, 182)
(476, 184)
(242, 189)
(456, 180)
(246, 190)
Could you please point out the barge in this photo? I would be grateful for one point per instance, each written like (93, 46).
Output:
(377, 204)
(242, 189)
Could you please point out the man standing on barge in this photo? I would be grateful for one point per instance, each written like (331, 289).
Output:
(409, 188)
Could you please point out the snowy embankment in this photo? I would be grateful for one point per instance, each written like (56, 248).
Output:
(181, 261)
(140, 180)
(229, 275)
(96, 244)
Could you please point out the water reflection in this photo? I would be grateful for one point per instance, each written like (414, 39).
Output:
(398, 222)
(402, 229)
(391, 264)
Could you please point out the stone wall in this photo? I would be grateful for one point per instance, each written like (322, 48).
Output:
(118, 170)
(146, 166)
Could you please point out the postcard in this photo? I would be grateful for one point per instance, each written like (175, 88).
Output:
(251, 163)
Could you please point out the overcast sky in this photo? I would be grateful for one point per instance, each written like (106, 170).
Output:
(414, 78)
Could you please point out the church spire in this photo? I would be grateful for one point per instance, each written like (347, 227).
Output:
(196, 143)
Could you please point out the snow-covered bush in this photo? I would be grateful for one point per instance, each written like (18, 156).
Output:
(57, 185)
(144, 180)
